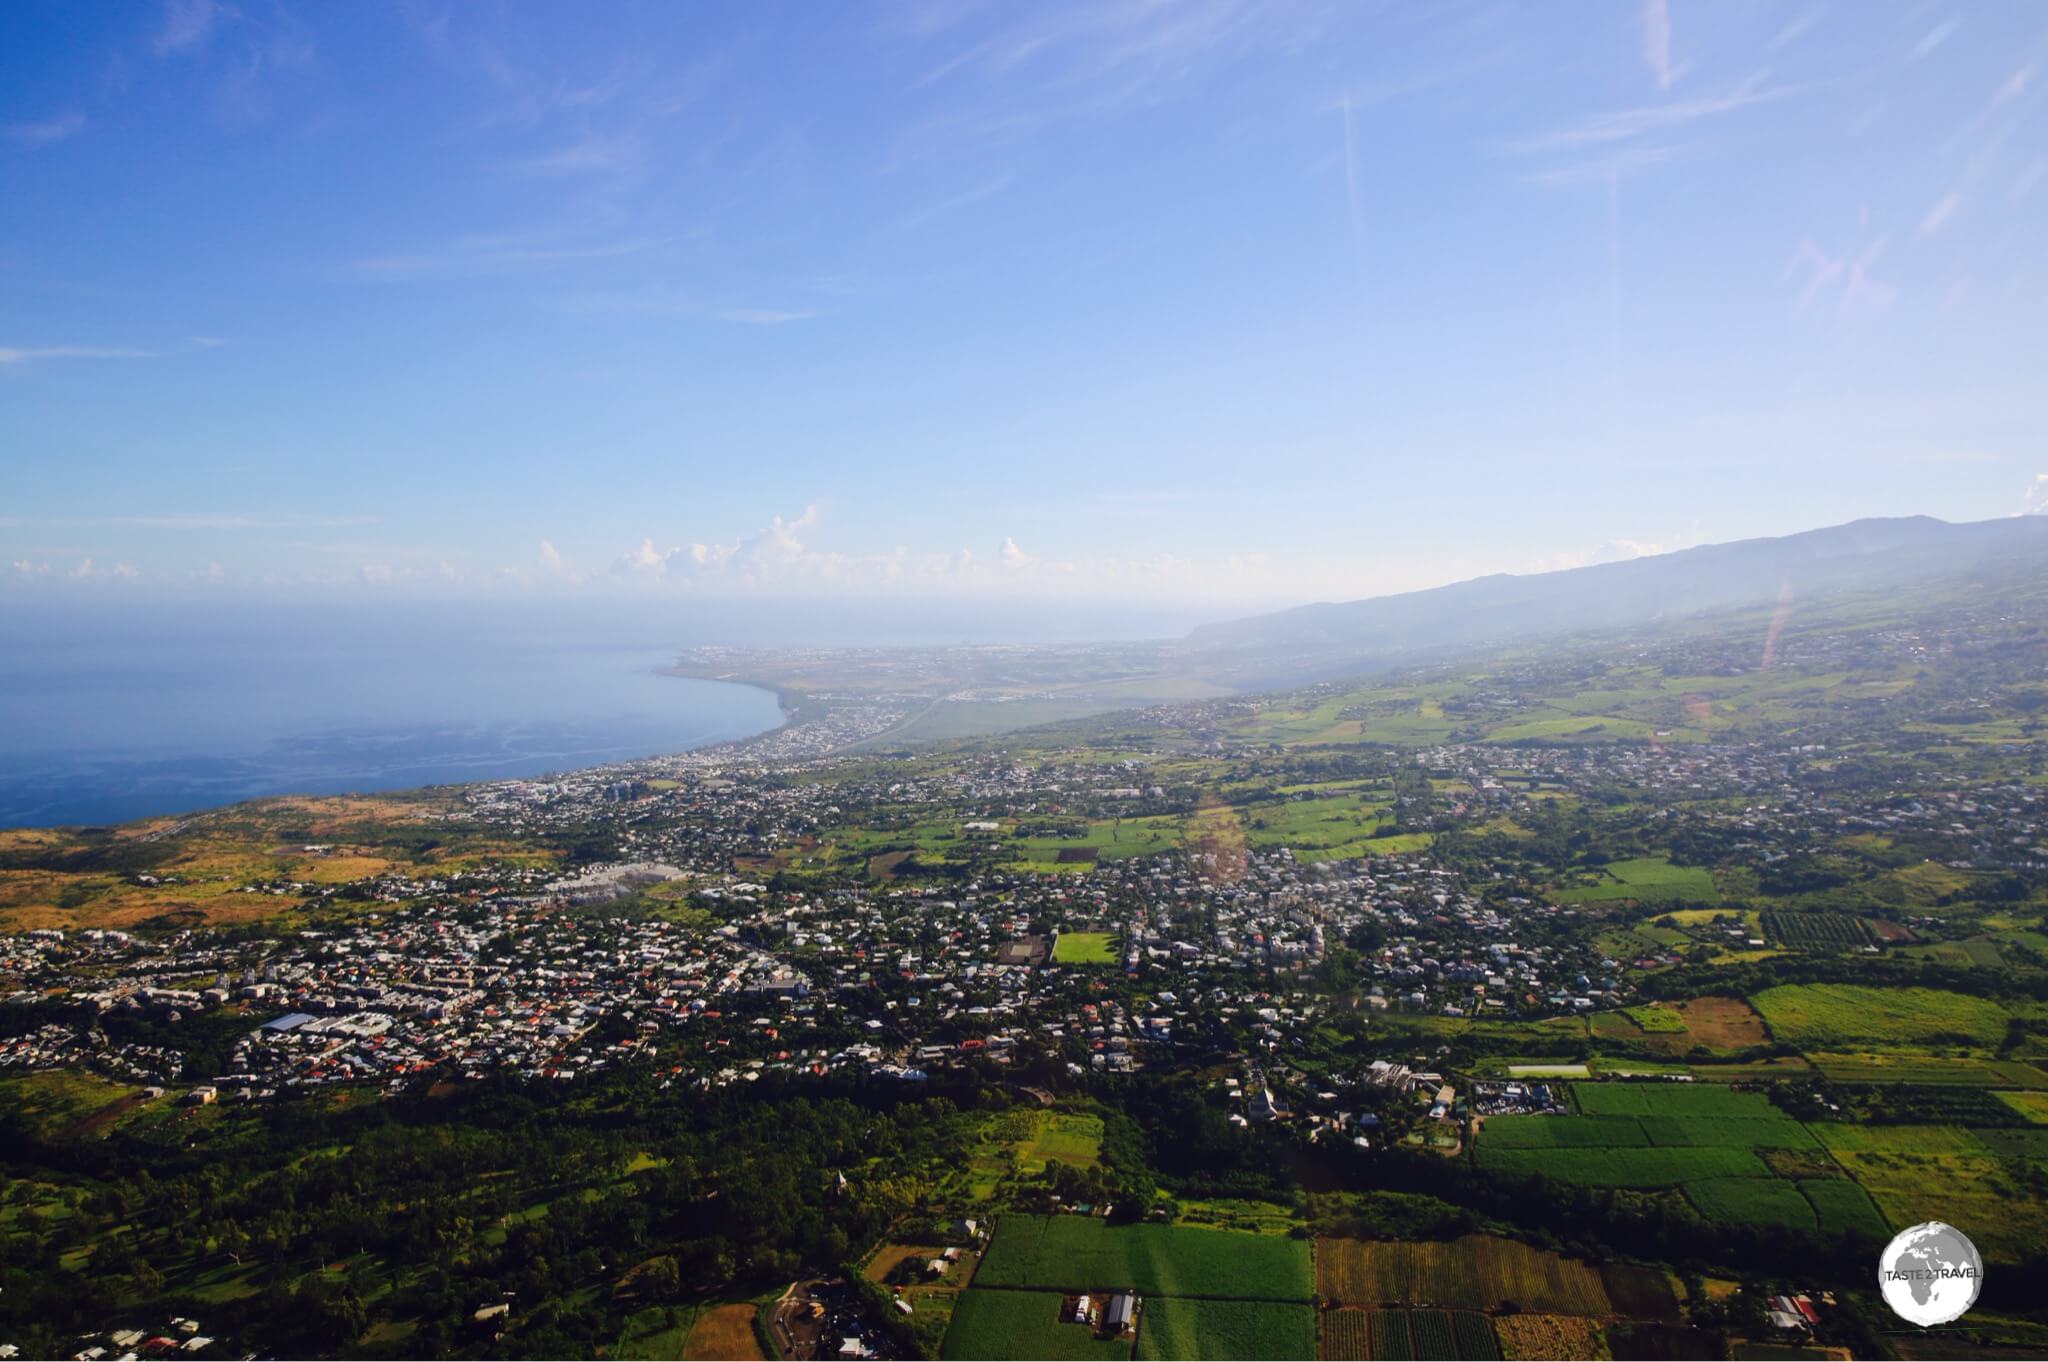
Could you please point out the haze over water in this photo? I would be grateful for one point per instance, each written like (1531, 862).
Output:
(166, 709)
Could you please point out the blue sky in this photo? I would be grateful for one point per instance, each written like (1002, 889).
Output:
(1215, 301)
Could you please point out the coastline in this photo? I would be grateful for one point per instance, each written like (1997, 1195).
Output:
(85, 791)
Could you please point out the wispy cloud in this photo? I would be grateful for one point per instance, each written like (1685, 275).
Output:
(43, 132)
(187, 24)
(471, 256)
(1619, 164)
(1937, 216)
(1625, 124)
(1657, 41)
(1792, 32)
(973, 194)
(757, 316)
(1059, 64)
(1862, 294)
(590, 155)
(630, 303)
(25, 354)
(2014, 85)
(1934, 38)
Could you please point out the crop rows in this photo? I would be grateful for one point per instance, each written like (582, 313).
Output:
(1354, 1335)
(1539, 1338)
(1347, 1335)
(1817, 931)
(1477, 1272)
(1391, 1341)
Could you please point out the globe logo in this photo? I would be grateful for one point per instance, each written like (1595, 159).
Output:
(1930, 1274)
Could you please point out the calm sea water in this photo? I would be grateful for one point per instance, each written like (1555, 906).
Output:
(116, 711)
(116, 719)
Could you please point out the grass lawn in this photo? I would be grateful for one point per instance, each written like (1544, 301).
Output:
(1084, 948)
(1646, 878)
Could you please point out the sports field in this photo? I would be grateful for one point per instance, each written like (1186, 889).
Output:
(1084, 948)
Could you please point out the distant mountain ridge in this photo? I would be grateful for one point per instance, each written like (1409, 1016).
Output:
(1325, 640)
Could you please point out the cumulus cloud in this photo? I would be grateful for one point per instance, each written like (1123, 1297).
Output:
(1617, 551)
(783, 558)
(772, 556)
(88, 570)
(2036, 501)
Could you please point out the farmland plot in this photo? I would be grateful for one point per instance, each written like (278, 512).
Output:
(1082, 1253)
(1391, 1341)
(1841, 1016)
(1840, 1205)
(1347, 1335)
(1540, 1338)
(1171, 1328)
(1671, 1099)
(1430, 1333)
(1477, 1272)
(994, 1326)
(1475, 1339)
(1751, 1201)
(1655, 1167)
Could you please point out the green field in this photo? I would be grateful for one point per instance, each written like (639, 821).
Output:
(1911, 1067)
(1562, 1132)
(1651, 879)
(1840, 1205)
(1073, 1140)
(1084, 948)
(1842, 1137)
(1084, 1253)
(1727, 1132)
(1945, 1172)
(1656, 1020)
(1169, 1328)
(1623, 1167)
(1837, 1016)
(55, 1100)
(1002, 1325)
(2032, 1105)
(1751, 1201)
(1658, 1135)
(1671, 1099)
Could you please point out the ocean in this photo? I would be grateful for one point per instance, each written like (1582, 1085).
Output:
(111, 711)
(104, 719)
